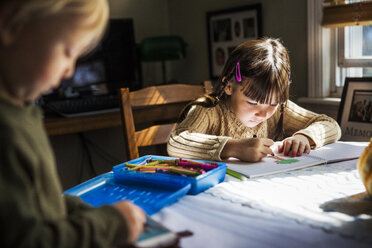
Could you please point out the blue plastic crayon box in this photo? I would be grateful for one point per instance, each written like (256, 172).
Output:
(151, 191)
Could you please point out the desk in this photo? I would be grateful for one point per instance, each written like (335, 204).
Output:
(56, 125)
(254, 214)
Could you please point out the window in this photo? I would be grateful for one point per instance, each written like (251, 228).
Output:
(335, 53)
(355, 51)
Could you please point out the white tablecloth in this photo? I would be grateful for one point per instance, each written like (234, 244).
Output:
(275, 211)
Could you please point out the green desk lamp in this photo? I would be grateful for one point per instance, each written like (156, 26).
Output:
(163, 48)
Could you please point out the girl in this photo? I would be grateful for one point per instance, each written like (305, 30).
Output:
(40, 41)
(249, 109)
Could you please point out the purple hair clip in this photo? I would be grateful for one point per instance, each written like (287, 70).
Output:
(237, 72)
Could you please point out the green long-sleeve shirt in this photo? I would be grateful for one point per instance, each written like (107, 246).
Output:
(33, 212)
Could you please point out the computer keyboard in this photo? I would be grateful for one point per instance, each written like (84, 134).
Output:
(85, 105)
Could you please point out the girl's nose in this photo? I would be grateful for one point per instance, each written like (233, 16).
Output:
(262, 112)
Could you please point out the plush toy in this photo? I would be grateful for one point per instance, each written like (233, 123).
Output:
(365, 167)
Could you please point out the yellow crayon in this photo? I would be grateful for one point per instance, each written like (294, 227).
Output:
(131, 165)
(153, 163)
(136, 167)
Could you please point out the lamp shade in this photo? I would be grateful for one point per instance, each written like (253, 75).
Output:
(163, 48)
(337, 13)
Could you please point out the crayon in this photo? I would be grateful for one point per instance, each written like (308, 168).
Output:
(136, 167)
(164, 171)
(184, 172)
(201, 171)
(236, 174)
(160, 166)
(147, 169)
(196, 162)
(167, 161)
(190, 164)
(140, 166)
(153, 166)
(153, 163)
(131, 165)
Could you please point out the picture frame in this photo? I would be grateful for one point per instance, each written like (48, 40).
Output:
(228, 28)
(355, 111)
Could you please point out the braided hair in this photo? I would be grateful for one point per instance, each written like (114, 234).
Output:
(264, 73)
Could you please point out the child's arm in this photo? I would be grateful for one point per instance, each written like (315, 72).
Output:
(251, 150)
(317, 128)
(186, 144)
(133, 215)
(193, 137)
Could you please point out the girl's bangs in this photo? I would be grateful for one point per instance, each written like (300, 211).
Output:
(265, 90)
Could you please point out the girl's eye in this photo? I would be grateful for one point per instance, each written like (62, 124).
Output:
(252, 103)
(273, 105)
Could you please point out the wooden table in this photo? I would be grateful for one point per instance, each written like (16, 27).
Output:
(56, 125)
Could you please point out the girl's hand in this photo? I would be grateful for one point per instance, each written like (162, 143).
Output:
(251, 150)
(134, 216)
(295, 146)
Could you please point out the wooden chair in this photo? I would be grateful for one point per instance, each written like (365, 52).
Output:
(156, 109)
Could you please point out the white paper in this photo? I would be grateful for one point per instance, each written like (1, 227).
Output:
(269, 165)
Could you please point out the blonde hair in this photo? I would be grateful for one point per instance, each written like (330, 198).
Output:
(24, 11)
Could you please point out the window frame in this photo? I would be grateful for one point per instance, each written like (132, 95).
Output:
(327, 65)
(322, 47)
(346, 62)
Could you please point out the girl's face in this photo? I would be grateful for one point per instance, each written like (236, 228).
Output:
(248, 111)
(36, 59)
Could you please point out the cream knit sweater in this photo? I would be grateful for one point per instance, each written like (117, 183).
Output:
(205, 131)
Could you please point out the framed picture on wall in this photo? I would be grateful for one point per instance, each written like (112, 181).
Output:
(228, 28)
(355, 111)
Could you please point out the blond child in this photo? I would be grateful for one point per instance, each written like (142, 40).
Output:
(40, 41)
(249, 110)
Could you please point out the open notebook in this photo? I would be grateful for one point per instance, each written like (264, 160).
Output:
(331, 153)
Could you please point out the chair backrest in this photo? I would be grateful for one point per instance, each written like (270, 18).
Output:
(156, 108)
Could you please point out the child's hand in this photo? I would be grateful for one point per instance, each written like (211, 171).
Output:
(295, 146)
(134, 216)
(251, 150)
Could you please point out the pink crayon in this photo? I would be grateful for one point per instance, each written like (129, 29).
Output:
(198, 165)
(196, 162)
